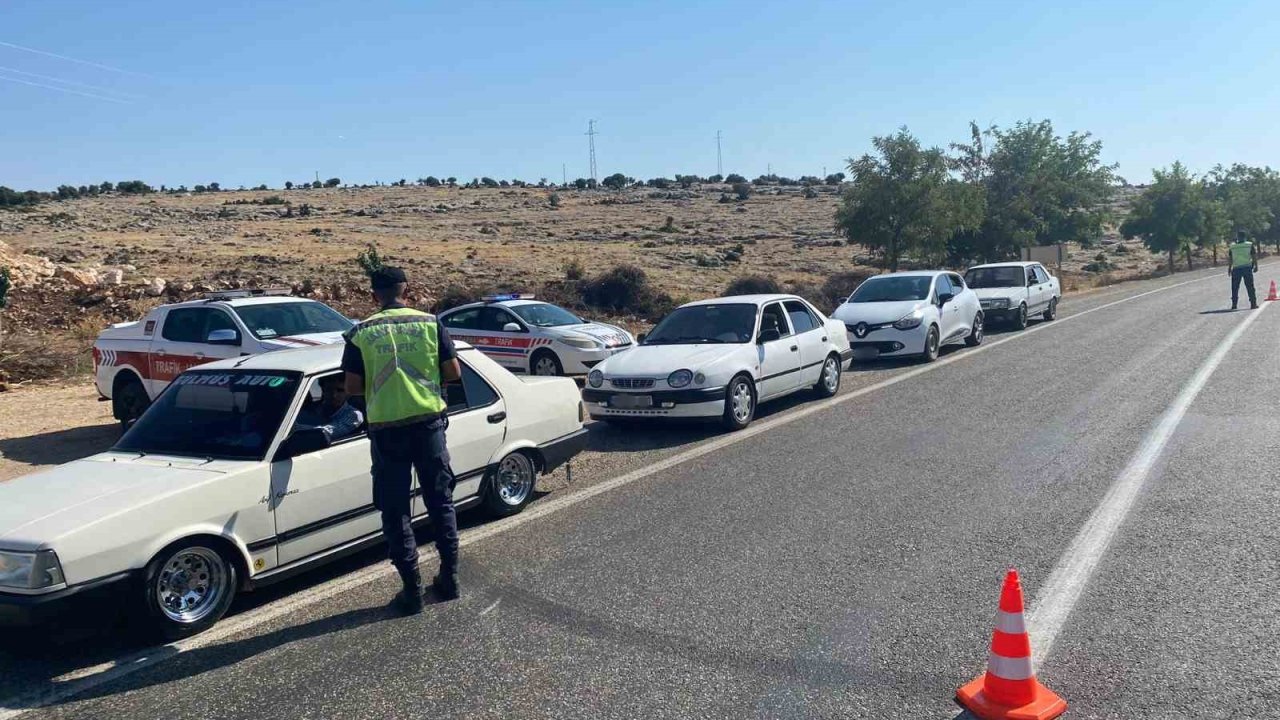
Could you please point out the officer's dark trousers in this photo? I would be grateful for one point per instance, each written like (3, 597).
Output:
(397, 450)
(1242, 273)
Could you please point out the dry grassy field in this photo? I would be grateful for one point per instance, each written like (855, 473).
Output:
(86, 262)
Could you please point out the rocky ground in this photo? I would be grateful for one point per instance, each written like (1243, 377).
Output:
(77, 265)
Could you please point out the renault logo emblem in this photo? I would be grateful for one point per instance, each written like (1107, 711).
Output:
(860, 330)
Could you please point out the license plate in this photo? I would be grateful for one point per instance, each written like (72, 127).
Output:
(866, 353)
(631, 402)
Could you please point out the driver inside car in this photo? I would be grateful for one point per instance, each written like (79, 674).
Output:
(332, 413)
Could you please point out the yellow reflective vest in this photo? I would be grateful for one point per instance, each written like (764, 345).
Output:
(401, 352)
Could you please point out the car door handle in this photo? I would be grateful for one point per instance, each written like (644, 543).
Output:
(824, 338)
(497, 417)
(794, 348)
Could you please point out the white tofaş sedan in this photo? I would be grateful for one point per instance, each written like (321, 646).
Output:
(910, 314)
(1013, 292)
(230, 481)
(716, 359)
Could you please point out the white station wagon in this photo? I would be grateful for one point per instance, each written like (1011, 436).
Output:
(716, 359)
(223, 486)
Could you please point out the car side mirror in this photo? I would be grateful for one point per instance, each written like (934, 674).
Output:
(1031, 282)
(768, 336)
(223, 337)
(944, 298)
(511, 327)
(640, 338)
(303, 441)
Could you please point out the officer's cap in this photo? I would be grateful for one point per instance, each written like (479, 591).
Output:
(386, 277)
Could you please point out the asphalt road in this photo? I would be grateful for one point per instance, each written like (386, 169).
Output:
(841, 559)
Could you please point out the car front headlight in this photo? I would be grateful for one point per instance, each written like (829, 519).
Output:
(595, 378)
(997, 302)
(680, 378)
(906, 322)
(582, 343)
(29, 570)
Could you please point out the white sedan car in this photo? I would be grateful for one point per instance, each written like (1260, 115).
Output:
(910, 314)
(1014, 291)
(226, 484)
(716, 359)
(538, 338)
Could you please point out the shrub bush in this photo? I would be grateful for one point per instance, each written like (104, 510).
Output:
(734, 178)
(625, 289)
(752, 285)
(837, 288)
(742, 190)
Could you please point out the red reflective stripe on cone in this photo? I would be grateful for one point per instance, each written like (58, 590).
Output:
(1011, 646)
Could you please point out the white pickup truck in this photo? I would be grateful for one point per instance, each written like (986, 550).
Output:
(134, 361)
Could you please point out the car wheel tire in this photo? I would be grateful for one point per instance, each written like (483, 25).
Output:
(829, 381)
(545, 362)
(739, 403)
(1052, 311)
(187, 588)
(977, 332)
(509, 485)
(129, 401)
(932, 344)
(1020, 320)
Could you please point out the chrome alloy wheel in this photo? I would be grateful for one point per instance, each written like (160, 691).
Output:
(546, 365)
(515, 479)
(742, 401)
(191, 584)
(831, 375)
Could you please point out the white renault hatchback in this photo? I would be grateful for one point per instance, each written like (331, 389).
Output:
(224, 485)
(910, 314)
(716, 359)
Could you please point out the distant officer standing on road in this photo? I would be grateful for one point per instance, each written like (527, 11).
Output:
(400, 359)
(1244, 263)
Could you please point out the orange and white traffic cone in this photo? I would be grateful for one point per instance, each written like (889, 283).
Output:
(1272, 295)
(1009, 689)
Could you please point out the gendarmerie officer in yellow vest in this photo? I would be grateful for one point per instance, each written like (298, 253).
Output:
(1244, 263)
(400, 359)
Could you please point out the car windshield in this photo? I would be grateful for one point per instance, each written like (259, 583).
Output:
(892, 289)
(729, 323)
(273, 320)
(545, 315)
(226, 414)
(995, 277)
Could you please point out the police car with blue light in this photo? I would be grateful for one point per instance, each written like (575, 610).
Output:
(525, 335)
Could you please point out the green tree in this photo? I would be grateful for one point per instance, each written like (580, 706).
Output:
(903, 201)
(1214, 225)
(1250, 199)
(332, 182)
(1169, 215)
(288, 185)
(616, 181)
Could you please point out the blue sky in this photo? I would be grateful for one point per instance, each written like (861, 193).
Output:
(263, 92)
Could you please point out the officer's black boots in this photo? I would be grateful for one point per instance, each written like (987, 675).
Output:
(445, 586)
(409, 600)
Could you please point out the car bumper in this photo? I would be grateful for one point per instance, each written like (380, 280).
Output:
(699, 403)
(888, 342)
(24, 610)
(580, 362)
(562, 449)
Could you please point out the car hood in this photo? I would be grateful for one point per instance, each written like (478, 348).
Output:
(609, 335)
(659, 361)
(37, 509)
(1001, 292)
(305, 340)
(880, 312)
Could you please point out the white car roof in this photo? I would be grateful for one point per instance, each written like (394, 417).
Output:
(500, 303)
(1019, 263)
(749, 299)
(242, 302)
(912, 273)
(306, 360)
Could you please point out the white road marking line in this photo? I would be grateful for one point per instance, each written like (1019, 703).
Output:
(13, 707)
(1067, 582)
(491, 608)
